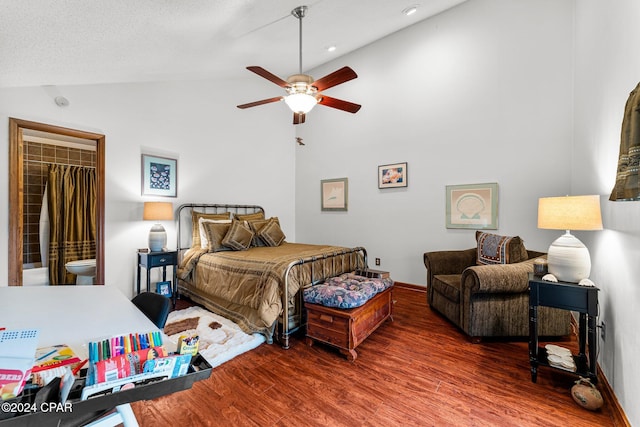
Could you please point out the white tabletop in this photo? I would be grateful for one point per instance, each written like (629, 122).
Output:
(72, 315)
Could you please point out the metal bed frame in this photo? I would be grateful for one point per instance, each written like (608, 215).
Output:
(183, 218)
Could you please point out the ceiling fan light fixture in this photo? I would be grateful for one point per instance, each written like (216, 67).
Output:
(301, 102)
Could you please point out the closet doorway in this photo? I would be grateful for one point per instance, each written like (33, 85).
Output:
(19, 131)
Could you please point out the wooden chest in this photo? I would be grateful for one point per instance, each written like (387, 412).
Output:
(346, 329)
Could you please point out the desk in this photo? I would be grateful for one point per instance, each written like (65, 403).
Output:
(75, 315)
(72, 315)
(567, 296)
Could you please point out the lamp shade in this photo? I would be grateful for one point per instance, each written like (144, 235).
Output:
(570, 213)
(158, 211)
(568, 257)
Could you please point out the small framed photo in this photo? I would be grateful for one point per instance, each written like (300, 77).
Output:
(392, 176)
(472, 206)
(334, 194)
(159, 176)
(164, 288)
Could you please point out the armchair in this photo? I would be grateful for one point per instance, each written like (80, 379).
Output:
(489, 300)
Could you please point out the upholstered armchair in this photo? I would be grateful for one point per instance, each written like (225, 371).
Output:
(489, 300)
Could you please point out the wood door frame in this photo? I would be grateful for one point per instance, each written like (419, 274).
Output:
(16, 192)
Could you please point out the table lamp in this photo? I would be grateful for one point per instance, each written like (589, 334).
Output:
(568, 257)
(157, 211)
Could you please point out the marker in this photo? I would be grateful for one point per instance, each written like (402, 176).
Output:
(46, 355)
(77, 368)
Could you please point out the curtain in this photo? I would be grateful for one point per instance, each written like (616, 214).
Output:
(627, 185)
(72, 217)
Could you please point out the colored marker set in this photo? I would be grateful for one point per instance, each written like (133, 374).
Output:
(124, 344)
(121, 356)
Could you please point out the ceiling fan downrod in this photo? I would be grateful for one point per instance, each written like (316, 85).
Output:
(299, 12)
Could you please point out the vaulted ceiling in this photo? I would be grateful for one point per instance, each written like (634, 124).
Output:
(64, 42)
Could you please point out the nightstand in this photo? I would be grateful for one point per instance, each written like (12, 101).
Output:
(566, 296)
(149, 260)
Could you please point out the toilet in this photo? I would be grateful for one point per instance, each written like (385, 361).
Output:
(84, 269)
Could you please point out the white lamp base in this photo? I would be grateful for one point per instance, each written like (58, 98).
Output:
(569, 259)
(157, 238)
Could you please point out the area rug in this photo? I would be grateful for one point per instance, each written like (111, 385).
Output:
(220, 339)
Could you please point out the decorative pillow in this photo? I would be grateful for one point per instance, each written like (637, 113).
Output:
(238, 237)
(334, 296)
(345, 291)
(195, 223)
(496, 249)
(204, 241)
(256, 226)
(249, 217)
(216, 231)
(271, 233)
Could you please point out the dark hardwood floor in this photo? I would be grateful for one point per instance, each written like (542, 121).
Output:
(418, 370)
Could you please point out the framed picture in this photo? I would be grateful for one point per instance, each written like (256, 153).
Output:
(159, 176)
(472, 206)
(392, 176)
(334, 194)
(164, 288)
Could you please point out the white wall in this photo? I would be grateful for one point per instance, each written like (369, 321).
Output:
(607, 69)
(225, 155)
(481, 93)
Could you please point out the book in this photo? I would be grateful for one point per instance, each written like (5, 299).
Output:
(54, 356)
(164, 288)
(17, 350)
(173, 365)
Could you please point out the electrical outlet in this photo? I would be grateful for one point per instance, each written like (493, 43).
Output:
(377, 261)
(602, 331)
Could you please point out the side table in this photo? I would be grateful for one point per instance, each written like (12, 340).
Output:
(149, 260)
(566, 296)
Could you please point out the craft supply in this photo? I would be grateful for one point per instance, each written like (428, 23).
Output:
(54, 357)
(188, 344)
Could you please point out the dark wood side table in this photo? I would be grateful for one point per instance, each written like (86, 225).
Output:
(149, 260)
(566, 296)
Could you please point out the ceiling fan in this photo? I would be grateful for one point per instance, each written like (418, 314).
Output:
(303, 93)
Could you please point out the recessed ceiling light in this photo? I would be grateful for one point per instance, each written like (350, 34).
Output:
(410, 10)
(331, 48)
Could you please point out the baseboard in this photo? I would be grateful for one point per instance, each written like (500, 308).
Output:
(617, 413)
(618, 416)
(410, 286)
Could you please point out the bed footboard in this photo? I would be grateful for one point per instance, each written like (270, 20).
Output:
(320, 269)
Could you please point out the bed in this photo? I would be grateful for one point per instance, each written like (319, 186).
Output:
(258, 285)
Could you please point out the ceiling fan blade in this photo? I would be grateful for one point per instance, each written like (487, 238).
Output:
(340, 76)
(261, 102)
(298, 118)
(339, 104)
(269, 76)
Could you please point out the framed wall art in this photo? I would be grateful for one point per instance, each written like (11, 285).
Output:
(334, 194)
(473, 206)
(392, 176)
(159, 176)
